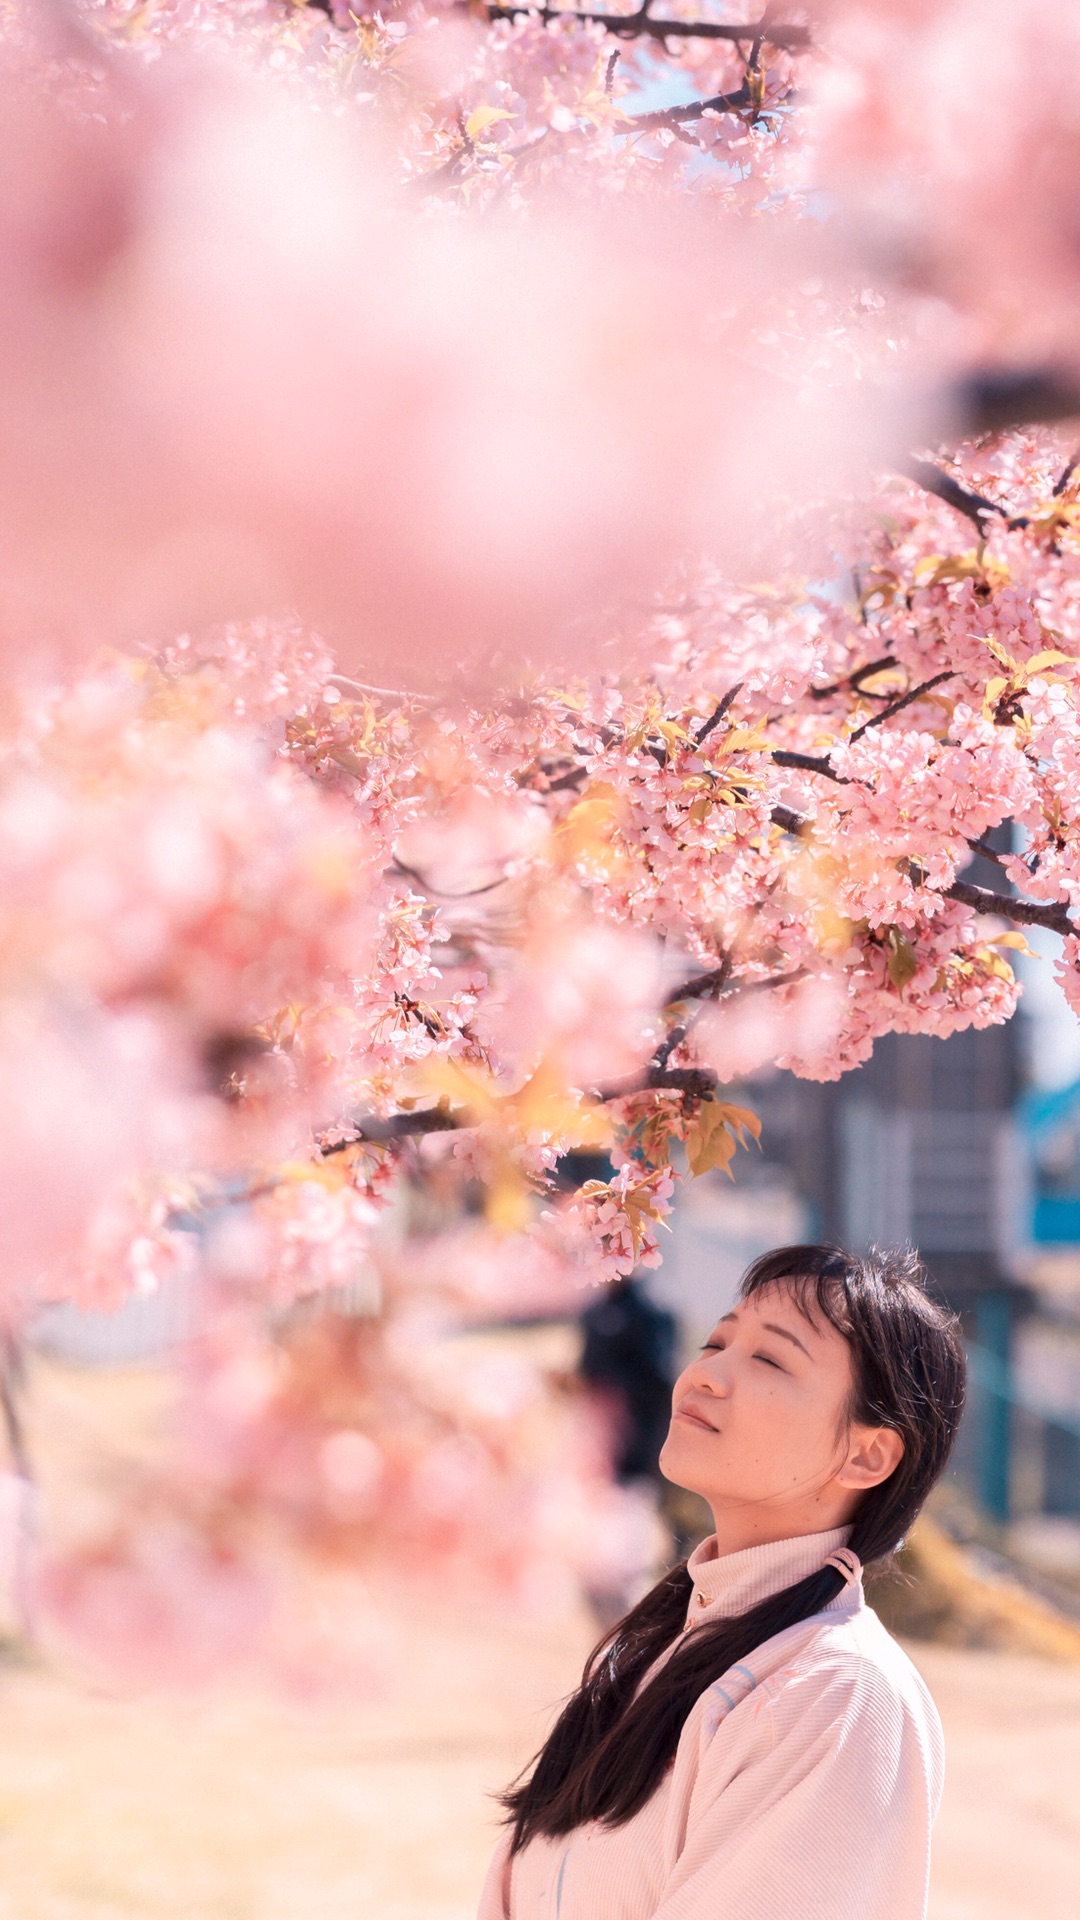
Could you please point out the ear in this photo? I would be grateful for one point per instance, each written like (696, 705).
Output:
(873, 1453)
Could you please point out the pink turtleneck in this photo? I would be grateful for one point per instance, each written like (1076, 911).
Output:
(804, 1786)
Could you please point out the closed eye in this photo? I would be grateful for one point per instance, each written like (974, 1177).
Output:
(767, 1361)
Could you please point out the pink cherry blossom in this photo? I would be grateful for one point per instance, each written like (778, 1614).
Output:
(512, 621)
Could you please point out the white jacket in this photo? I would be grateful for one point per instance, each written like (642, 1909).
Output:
(804, 1787)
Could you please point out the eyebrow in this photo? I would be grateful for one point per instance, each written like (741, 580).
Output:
(770, 1326)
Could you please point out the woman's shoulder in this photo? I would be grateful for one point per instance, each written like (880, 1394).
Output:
(834, 1693)
(851, 1668)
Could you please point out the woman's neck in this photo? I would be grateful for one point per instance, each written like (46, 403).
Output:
(739, 1527)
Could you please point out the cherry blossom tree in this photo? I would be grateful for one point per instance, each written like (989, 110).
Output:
(539, 543)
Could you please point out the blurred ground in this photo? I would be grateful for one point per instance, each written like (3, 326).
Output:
(256, 1808)
(249, 1809)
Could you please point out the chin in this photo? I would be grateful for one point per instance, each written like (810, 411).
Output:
(676, 1467)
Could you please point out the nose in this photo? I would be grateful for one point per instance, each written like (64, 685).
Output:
(709, 1374)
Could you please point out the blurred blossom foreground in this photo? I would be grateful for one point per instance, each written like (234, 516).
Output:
(535, 551)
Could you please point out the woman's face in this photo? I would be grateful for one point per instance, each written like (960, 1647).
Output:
(760, 1425)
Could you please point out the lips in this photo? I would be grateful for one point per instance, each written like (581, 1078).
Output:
(694, 1419)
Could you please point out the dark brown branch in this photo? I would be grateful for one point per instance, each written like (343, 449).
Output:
(741, 101)
(630, 26)
(699, 1082)
(718, 713)
(367, 1129)
(807, 763)
(853, 681)
(787, 818)
(1026, 913)
(897, 706)
(667, 1047)
(987, 851)
(974, 506)
(1065, 476)
(718, 985)
(567, 780)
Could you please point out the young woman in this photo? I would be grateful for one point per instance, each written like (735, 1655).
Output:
(749, 1743)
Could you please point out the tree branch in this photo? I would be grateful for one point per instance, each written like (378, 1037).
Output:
(1026, 913)
(718, 985)
(987, 851)
(369, 1130)
(699, 1082)
(787, 818)
(807, 763)
(568, 780)
(897, 706)
(717, 715)
(672, 117)
(630, 26)
(1065, 476)
(855, 680)
(974, 506)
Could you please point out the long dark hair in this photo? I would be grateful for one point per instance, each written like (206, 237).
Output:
(611, 1745)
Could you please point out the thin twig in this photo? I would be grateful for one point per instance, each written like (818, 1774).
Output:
(897, 706)
(1065, 476)
(718, 713)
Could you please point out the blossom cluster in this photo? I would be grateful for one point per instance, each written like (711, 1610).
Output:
(668, 628)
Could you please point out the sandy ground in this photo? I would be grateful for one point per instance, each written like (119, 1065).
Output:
(256, 1809)
(244, 1807)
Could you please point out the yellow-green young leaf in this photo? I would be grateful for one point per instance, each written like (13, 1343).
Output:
(716, 1132)
(1014, 940)
(741, 1120)
(900, 958)
(999, 653)
(482, 117)
(708, 1142)
(1048, 658)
